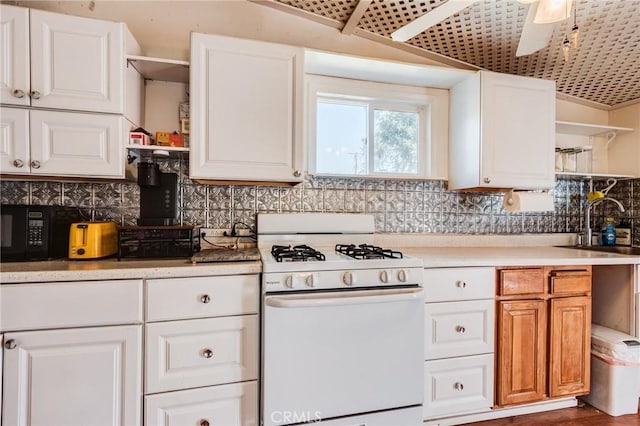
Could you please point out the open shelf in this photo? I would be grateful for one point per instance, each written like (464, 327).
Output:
(594, 175)
(583, 129)
(160, 69)
(157, 147)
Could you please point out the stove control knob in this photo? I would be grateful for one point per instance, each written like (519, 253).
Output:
(288, 281)
(402, 276)
(349, 278)
(384, 277)
(310, 281)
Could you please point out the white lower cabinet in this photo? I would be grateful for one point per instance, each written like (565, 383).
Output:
(194, 353)
(232, 404)
(459, 385)
(459, 341)
(202, 351)
(88, 376)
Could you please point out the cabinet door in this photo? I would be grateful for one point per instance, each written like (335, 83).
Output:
(521, 351)
(233, 404)
(518, 131)
(89, 376)
(458, 328)
(14, 141)
(71, 144)
(76, 63)
(14, 53)
(458, 385)
(570, 346)
(201, 352)
(246, 103)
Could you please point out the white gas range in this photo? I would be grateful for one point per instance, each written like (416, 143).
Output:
(342, 323)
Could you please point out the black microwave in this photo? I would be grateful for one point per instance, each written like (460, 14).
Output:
(35, 232)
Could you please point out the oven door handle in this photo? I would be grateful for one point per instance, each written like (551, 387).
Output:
(348, 298)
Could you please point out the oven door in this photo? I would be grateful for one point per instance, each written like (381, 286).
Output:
(341, 353)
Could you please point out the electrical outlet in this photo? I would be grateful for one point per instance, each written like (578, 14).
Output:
(212, 232)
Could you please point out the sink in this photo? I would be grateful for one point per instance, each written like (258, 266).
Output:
(631, 251)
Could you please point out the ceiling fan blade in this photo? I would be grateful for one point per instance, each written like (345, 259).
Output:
(534, 36)
(430, 19)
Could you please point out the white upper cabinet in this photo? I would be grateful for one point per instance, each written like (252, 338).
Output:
(60, 61)
(15, 83)
(61, 143)
(246, 109)
(502, 132)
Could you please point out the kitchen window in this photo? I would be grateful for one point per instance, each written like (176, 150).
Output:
(360, 128)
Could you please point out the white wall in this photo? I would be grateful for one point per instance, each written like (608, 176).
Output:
(624, 151)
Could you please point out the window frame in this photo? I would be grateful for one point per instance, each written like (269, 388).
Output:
(432, 103)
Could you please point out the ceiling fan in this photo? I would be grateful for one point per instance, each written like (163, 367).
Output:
(536, 33)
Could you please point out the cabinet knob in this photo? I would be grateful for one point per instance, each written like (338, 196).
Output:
(18, 163)
(458, 386)
(17, 93)
(297, 173)
(35, 164)
(205, 298)
(207, 353)
(461, 284)
(10, 344)
(35, 94)
(460, 329)
(204, 422)
(487, 180)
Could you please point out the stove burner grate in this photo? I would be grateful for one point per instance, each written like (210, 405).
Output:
(367, 251)
(299, 253)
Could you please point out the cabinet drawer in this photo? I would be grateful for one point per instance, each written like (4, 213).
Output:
(521, 281)
(233, 404)
(70, 304)
(458, 385)
(563, 282)
(458, 328)
(187, 354)
(199, 297)
(452, 284)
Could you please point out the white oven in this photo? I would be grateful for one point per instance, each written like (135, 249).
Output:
(342, 338)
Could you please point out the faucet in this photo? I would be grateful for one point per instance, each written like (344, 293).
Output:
(586, 242)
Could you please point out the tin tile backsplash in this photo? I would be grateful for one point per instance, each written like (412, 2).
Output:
(398, 206)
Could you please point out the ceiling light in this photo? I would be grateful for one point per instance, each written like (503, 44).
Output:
(527, 1)
(552, 11)
(566, 44)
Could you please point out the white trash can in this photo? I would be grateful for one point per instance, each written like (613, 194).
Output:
(615, 371)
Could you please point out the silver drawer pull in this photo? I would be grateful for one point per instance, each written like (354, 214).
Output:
(459, 386)
(460, 329)
(10, 344)
(18, 163)
(34, 94)
(17, 93)
(204, 422)
(205, 298)
(207, 353)
(35, 164)
(461, 284)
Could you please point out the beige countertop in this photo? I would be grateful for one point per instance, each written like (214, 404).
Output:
(442, 257)
(439, 251)
(112, 269)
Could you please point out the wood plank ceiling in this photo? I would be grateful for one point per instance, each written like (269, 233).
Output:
(605, 68)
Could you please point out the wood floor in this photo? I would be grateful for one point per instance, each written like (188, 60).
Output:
(585, 415)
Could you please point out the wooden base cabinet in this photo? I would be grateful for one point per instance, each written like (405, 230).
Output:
(543, 334)
(521, 351)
